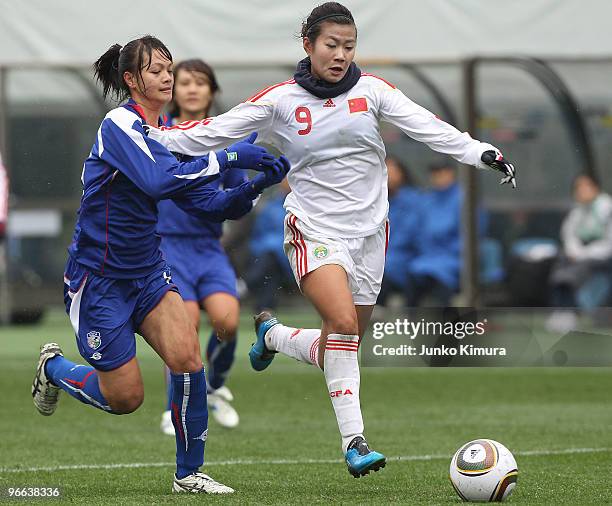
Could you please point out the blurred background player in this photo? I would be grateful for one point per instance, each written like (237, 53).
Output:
(434, 269)
(406, 222)
(269, 271)
(581, 276)
(326, 121)
(116, 281)
(192, 248)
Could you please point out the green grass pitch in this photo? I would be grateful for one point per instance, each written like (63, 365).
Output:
(286, 450)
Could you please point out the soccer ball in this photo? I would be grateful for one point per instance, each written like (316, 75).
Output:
(483, 470)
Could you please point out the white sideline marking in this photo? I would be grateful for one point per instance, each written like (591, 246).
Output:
(281, 462)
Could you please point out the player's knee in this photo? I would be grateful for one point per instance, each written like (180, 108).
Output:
(186, 360)
(185, 356)
(127, 401)
(343, 324)
(227, 330)
(186, 364)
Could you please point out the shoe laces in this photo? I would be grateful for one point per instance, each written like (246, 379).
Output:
(211, 485)
(360, 445)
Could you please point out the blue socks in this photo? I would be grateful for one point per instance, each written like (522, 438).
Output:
(190, 420)
(80, 381)
(220, 355)
(169, 388)
(188, 405)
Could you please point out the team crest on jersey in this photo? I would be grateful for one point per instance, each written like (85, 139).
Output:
(320, 252)
(94, 339)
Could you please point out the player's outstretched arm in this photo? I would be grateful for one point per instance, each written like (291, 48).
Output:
(198, 138)
(211, 204)
(424, 126)
(122, 143)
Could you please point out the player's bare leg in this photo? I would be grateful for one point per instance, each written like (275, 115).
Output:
(171, 333)
(364, 313)
(167, 427)
(123, 387)
(337, 342)
(223, 310)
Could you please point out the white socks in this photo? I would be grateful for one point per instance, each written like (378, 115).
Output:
(341, 370)
(301, 344)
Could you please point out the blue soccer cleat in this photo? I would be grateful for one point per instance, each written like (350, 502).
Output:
(260, 356)
(361, 460)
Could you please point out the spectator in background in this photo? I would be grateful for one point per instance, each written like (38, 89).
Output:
(404, 226)
(435, 270)
(581, 276)
(3, 200)
(269, 269)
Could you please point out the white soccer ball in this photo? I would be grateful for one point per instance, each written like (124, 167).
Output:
(483, 470)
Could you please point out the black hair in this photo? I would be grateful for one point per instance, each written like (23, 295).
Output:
(194, 65)
(442, 164)
(407, 177)
(333, 12)
(133, 57)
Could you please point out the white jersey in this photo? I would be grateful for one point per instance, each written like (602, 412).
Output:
(338, 176)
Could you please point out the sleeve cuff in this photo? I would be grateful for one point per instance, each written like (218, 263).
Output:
(221, 157)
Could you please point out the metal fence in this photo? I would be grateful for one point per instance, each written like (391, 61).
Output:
(553, 118)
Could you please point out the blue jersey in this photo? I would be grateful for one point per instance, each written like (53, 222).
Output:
(440, 244)
(405, 221)
(268, 230)
(124, 177)
(174, 221)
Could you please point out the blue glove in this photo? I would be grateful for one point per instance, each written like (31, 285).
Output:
(271, 175)
(245, 155)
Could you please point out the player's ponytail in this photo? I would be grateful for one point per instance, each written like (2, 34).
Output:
(133, 57)
(106, 71)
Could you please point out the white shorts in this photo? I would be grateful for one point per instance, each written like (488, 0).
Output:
(363, 258)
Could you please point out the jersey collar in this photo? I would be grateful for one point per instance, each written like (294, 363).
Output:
(131, 104)
(323, 89)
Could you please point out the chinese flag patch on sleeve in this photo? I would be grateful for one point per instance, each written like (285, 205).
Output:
(357, 105)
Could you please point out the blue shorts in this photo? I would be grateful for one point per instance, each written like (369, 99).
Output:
(106, 313)
(200, 267)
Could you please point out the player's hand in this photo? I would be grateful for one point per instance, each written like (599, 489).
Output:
(245, 155)
(272, 175)
(495, 160)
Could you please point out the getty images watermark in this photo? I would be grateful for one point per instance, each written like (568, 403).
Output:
(499, 337)
(411, 330)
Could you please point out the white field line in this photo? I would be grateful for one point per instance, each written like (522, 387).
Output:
(281, 462)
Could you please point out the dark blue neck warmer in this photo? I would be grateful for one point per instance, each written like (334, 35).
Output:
(323, 89)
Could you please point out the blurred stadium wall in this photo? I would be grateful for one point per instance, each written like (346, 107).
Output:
(50, 108)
